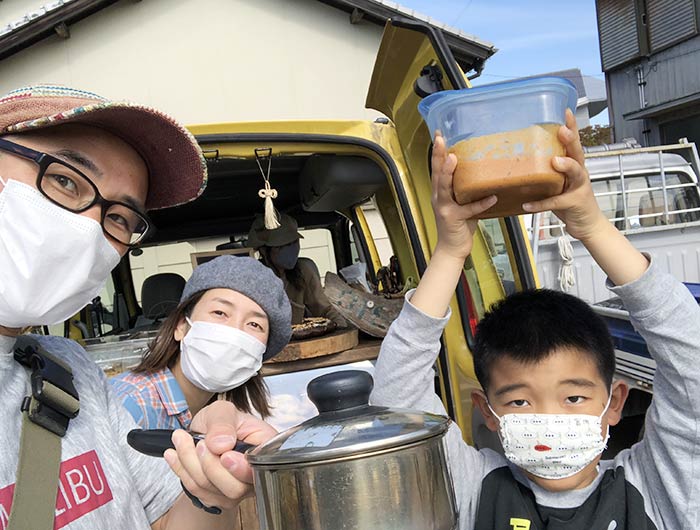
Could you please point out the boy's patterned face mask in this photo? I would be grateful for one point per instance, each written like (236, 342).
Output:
(552, 446)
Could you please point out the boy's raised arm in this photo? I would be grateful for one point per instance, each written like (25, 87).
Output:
(455, 228)
(579, 210)
(662, 310)
(404, 375)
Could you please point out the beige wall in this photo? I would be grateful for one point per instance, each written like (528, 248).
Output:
(209, 60)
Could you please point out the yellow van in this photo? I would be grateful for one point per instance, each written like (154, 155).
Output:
(326, 173)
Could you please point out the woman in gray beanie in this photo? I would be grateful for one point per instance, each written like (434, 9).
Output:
(233, 315)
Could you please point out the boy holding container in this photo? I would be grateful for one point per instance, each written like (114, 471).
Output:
(545, 362)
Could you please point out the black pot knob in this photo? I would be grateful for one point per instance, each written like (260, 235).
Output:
(343, 390)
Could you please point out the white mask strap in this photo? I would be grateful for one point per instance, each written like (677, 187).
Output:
(493, 411)
(607, 405)
(4, 182)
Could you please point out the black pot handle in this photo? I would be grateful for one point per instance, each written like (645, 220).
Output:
(339, 391)
(154, 442)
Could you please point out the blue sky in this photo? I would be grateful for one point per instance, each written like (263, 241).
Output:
(532, 36)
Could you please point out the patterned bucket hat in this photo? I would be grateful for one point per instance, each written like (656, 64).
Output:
(176, 167)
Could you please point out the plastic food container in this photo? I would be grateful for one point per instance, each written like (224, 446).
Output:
(504, 136)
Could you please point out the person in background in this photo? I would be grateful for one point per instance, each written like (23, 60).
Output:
(77, 174)
(279, 250)
(232, 316)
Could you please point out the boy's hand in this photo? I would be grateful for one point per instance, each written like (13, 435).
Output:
(576, 206)
(455, 225)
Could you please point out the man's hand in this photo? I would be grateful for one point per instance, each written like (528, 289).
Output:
(211, 471)
(576, 206)
(454, 221)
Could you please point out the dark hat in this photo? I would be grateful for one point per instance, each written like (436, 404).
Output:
(177, 171)
(253, 279)
(286, 233)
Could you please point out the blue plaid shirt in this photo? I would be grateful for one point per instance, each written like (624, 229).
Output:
(155, 400)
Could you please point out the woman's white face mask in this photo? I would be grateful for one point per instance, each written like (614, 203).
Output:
(552, 446)
(52, 262)
(218, 358)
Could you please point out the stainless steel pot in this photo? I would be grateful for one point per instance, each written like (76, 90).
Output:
(355, 466)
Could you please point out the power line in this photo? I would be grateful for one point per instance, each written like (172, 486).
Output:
(461, 13)
(652, 62)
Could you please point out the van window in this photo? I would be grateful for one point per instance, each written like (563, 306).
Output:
(368, 236)
(104, 320)
(317, 244)
(170, 257)
(379, 233)
(482, 284)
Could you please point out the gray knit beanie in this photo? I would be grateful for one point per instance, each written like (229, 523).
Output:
(253, 279)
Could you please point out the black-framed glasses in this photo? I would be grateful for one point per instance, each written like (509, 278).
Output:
(72, 190)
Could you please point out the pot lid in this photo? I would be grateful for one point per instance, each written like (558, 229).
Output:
(346, 425)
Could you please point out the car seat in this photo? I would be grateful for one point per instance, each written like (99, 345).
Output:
(160, 294)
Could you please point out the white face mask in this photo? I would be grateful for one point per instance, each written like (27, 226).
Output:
(552, 446)
(219, 358)
(52, 262)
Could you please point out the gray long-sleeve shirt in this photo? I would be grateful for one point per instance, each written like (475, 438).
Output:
(653, 485)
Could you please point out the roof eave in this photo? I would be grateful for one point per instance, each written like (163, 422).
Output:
(469, 52)
(48, 24)
(655, 111)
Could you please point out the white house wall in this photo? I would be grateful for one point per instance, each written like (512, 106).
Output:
(209, 60)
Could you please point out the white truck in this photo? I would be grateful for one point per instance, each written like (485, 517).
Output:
(652, 196)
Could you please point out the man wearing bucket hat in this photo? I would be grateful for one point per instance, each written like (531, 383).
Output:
(279, 250)
(77, 174)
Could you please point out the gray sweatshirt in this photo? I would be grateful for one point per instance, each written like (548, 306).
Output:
(653, 485)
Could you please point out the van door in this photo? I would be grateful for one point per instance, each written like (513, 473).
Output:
(413, 61)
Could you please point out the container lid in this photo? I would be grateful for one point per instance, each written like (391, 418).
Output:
(495, 90)
(346, 425)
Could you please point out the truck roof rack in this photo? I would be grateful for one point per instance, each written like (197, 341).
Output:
(626, 143)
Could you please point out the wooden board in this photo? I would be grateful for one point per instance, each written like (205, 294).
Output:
(339, 340)
(371, 313)
(367, 349)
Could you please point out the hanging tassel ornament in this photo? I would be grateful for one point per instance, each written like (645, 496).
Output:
(267, 193)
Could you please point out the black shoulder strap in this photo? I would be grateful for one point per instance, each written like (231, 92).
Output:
(45, 417)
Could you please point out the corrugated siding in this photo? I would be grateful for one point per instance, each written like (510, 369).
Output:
(670, 21)
(617, 26)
